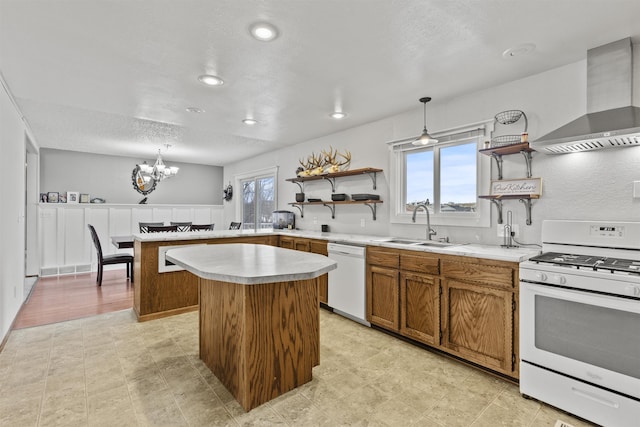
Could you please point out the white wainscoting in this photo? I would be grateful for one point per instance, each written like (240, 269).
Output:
(65, 242)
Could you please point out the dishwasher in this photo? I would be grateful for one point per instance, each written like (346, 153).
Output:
(347, 295)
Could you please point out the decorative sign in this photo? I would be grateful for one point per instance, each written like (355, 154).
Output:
(517, 187)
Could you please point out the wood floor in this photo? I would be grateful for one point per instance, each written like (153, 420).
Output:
(56, 299)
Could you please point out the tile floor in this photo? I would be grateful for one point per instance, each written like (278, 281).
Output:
(110, 370)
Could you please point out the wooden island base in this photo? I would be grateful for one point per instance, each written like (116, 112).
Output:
(260, 340)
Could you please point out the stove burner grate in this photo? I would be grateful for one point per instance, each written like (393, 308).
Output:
(589, 261)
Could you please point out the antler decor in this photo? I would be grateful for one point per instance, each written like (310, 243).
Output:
(325, 162)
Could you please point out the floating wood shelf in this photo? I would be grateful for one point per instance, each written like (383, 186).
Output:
(332, 176)
(332, 205)
(497, 153)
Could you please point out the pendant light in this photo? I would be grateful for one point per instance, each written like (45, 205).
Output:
(425, 138)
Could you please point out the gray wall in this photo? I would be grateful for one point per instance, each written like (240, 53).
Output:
(109, 177)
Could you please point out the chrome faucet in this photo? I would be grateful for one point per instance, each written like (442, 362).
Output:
(430, 231)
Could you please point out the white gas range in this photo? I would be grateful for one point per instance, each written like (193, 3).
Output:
(580, 320)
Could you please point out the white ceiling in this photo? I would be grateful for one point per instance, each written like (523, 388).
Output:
(115, 76)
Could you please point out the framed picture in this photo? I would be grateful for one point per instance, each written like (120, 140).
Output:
(62, 198)
(84, 198)
(517, 187)
(52, 197)
(73, 197)
(43, 198)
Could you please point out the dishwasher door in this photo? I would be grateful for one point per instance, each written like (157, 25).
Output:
(347, 294)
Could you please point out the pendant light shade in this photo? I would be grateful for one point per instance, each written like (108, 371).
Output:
(425, 138)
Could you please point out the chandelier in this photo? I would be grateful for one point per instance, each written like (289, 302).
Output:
(145, 177)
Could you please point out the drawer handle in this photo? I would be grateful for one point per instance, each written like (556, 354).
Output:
(595, 397)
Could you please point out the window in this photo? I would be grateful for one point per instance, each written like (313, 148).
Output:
(257, 199)
(447, 177)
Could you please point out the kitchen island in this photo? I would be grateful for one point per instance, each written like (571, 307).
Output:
(259, 315)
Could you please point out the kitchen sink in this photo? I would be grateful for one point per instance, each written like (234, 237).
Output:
(425, 243)
(401, 241)
(434, 244)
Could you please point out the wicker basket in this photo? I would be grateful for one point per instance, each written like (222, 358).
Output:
(503, 140)
(509, 117)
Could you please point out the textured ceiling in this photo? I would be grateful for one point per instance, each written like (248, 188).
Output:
(115, 76)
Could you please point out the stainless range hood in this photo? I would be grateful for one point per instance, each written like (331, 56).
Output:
(611, 120)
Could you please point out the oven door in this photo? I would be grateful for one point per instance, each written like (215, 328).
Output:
(585, 335)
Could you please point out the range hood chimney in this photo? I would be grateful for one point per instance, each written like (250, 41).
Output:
(611, 120)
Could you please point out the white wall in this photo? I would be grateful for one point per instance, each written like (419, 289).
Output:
(12, 201)
(593, 185)
(109, 177)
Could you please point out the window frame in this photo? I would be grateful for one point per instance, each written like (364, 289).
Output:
(448, 137)
(254, 175)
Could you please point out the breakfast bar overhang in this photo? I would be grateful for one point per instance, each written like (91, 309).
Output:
(259, 315)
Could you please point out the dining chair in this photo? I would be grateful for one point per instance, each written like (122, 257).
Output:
(235, 226)
(182, 226)
(144, 226)
(162, 228)
(109, 259)
(202, 227)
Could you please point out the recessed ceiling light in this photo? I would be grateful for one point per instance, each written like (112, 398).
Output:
(263, 31)
(338, 115)
(211, 80)
(519, 50)
(195, 110)
(250, 122)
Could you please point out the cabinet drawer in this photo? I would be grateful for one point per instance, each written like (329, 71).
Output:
(383, 257)
(319, 247)
(493, 275)
(420, 262)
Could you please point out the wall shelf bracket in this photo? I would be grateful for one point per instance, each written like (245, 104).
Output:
(498, 204)
(373, 207)
(332, 208)
(300, 208)
(300, 185)
(527, 203)
(373, 177)
(332, 181)
(527, 159)
(498, 159)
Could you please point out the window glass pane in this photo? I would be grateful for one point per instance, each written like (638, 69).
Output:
(458, 172)
(419, 178)
(265, 202)
(248, 204)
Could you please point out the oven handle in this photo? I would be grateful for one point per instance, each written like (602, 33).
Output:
(585, 297)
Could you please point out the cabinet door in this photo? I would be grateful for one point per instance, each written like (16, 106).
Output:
(286, 242)
(320, 247)
(420, 307)
(477, 324)
(382, 297)
(301, 245)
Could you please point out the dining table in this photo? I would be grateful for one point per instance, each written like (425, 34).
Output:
(122, 242)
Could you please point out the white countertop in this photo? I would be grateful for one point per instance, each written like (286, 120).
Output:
(250, 264)
(470, 250)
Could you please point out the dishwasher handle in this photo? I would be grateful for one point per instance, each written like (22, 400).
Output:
(346, 250)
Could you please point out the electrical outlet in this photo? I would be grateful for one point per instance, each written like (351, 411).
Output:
(362, 222)
(514, 229)
(315, 219)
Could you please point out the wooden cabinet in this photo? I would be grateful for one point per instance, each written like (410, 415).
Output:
(461, 305)
(420, 307)
(310, 245)
(383, 302)
(479, 300)
(477, 324)
(403, 293)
